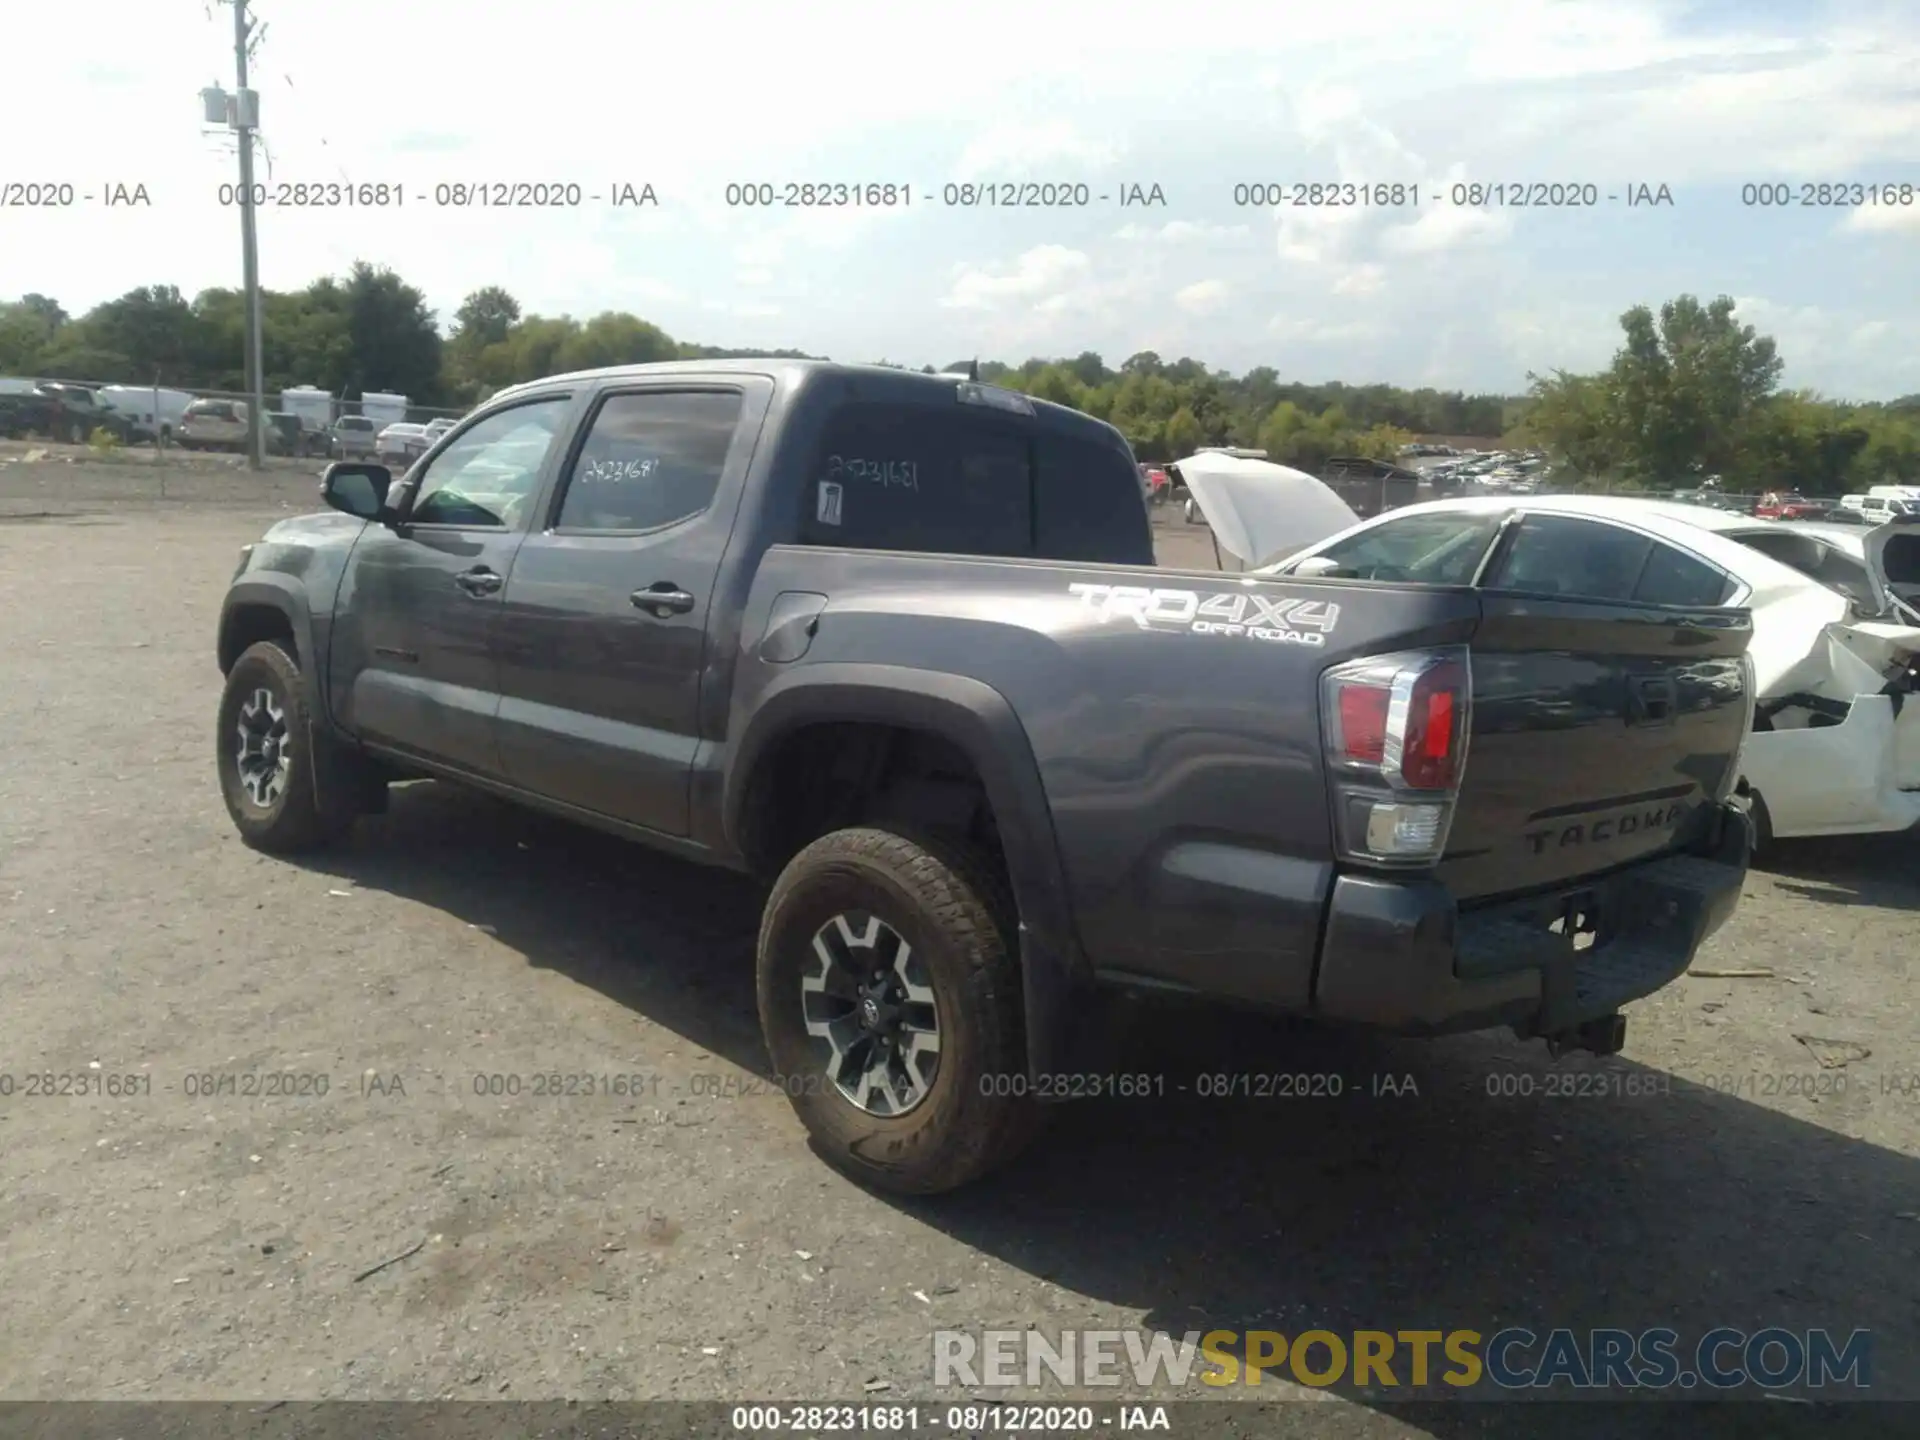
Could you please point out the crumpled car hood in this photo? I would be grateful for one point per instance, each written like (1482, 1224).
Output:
(1261, 511)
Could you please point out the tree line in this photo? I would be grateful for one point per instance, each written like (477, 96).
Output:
(1691, 393)
(1694, 394)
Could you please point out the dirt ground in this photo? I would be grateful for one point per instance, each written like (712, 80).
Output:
(669, 1234)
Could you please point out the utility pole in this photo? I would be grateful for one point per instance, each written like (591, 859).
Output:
(245, 119)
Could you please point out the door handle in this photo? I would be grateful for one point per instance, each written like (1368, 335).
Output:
(478, 582)
(1653, 700)
(663, 599)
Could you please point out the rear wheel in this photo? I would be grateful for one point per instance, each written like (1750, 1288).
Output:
(890, 999)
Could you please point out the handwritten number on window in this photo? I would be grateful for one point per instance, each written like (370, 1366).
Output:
(607, 472)
(886, 473)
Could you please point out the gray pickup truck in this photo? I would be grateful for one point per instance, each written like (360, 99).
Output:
(894, 642)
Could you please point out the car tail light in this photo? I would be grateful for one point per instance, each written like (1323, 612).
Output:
(1396, 733)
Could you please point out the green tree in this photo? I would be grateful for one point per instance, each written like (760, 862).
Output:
(1686, 385)
(614, 339)
(152, 327)
(1574, 419)
(1182, 434)
(485, 317)
(1382, 442)
(395, 344)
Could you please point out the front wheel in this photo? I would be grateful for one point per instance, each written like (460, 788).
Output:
(264, 754)
(890, 998)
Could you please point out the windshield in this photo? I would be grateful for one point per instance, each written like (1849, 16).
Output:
(1442, 548)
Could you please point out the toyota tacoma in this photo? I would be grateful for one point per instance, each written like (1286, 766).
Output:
(895, 643)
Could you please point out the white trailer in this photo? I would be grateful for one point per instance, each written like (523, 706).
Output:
(313, 405)
(384, 410)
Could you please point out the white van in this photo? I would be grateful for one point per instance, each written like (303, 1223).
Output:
(136, 403)
(1879, 509)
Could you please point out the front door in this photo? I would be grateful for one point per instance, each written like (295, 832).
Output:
(603, 634)
(413, 663)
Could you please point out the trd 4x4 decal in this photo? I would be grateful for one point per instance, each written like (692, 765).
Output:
(1277, 619)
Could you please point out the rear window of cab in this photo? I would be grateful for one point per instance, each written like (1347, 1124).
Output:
(960, 480)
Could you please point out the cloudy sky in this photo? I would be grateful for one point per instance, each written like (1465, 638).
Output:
(1196, 98)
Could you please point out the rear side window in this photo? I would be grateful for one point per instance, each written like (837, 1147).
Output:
(650, 459)
(892, 477)
(1584, 559)
(1673, 577)
(1437, 549)
(1087, 503)
(1592, 560)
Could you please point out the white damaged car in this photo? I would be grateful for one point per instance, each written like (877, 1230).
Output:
(1835, 741)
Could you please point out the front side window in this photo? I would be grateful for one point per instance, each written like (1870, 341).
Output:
(650, 460)
(487, 476)
(1437, 549)
(912, 477)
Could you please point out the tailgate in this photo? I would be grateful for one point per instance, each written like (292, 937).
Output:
(1602, 734)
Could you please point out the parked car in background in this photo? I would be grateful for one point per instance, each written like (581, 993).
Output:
(1155, 484)
(149, 411)
(1879, 509)
(403, 443)
(1872, 509)
(290, 433)
(214, 425)
(1790, 505)
(354, 437)
(59, 410)
(1835, 742)
(1371, 486)
(437, 427)
(313, 405)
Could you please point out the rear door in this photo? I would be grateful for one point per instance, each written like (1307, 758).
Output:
(602, 640)
(1610, 698)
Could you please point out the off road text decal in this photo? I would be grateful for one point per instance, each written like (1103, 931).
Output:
(1238, 613)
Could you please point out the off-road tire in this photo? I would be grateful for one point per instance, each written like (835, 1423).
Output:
(951, 906)
(316, 804)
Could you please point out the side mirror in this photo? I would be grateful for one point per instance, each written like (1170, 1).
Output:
(357, 488)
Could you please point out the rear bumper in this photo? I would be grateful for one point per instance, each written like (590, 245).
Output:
(1401, 955)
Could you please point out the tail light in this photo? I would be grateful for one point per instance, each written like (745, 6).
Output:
(1396, 731)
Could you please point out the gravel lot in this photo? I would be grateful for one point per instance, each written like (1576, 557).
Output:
(682, 1242)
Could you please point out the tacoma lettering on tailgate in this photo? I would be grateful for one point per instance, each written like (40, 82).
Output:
(1237, 613)
(1601, 831)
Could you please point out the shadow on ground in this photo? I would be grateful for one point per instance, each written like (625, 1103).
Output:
(1433, 1191)
(1878, 870)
